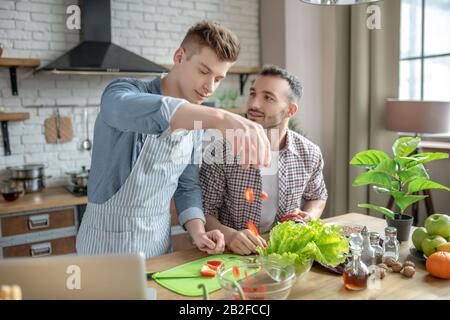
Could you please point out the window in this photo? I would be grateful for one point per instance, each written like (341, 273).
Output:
(425, 50)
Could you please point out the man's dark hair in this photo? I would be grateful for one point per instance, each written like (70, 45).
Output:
(294, 83)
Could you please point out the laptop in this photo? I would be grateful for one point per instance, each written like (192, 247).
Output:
(108, 277)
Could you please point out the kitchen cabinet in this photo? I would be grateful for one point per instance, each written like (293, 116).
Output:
(40, 224)
(38, 233)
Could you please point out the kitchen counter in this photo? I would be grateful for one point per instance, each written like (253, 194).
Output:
(46, 199)
(321, 284)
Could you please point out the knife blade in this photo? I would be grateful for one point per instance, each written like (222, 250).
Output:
(157, 275)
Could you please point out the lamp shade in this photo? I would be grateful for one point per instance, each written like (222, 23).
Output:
(338, 2)
(418, 116)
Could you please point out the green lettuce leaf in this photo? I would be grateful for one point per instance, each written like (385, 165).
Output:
(297, 244)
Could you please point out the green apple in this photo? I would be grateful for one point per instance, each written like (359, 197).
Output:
(430, 244)
(418, 236)
(438, 224)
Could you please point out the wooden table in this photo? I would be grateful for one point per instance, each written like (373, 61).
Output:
(320, 284)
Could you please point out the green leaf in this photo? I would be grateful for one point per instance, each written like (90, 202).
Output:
(395, 185)
(405, 146)
(409, 162)
(403, 200)
(424, 184)
(415, 172)
(387, 166)
(383, 210)
(382, 190)
(372, 177)
(369, 158)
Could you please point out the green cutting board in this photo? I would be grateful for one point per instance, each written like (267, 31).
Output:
(189, 287)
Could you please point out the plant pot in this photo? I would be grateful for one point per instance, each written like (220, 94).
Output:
(403, 225)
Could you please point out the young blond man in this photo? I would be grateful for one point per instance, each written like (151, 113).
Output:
(142, 128)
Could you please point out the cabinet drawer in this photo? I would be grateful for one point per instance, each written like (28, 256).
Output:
(35, 222)
(41, 248)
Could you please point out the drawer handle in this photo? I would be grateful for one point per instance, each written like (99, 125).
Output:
(41, 249)
(41, 221)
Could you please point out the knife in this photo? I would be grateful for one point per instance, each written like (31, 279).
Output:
(157, 275)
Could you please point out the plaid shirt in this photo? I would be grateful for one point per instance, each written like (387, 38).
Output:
(300, 177)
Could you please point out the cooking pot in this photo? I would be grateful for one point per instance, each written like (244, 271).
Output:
(27, 171)
(79, 178)
(29, 185)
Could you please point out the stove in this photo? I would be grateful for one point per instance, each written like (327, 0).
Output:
(76, 190)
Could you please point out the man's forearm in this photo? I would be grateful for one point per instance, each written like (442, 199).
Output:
(314, 208)
(194, 227)
(186, 114)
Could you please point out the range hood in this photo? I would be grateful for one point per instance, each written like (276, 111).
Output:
(96, 54)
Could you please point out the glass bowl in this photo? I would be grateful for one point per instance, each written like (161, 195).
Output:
(256, 279)
(11, 192)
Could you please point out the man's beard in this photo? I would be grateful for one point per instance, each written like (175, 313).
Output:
(274, 121)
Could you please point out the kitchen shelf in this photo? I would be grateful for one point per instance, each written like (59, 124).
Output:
(14, 116)
(4, 118)
(13, 64)
(243, 72)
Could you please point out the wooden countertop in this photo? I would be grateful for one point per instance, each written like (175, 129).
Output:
(320, 284)
(46, 199)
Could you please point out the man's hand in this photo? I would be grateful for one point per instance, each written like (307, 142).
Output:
(306, 216)
(244, 135)
(247, 138)
(211, 242)
(244, 242)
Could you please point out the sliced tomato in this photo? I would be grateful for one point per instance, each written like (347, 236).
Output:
(249, 195)
(264, 196)
(251, 226)
(236, 271)
(206, 271)
(247, 278)
(214, 264)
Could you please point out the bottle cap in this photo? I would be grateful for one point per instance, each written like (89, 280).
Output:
(390, 231)
(374, 236)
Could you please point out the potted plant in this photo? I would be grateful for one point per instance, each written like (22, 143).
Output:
(401, 177)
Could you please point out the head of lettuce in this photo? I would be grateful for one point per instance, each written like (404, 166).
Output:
(295, 244)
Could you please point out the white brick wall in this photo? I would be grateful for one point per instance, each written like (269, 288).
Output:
(152, 28)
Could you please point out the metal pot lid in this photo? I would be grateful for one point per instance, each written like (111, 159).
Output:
(83, 173)
(26, 167)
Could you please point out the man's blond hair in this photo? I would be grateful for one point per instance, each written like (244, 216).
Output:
(216, 37)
